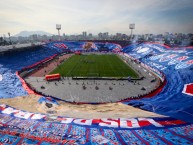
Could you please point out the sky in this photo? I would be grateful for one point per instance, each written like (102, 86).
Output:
(94, 16)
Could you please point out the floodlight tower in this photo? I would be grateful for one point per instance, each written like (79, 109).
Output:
(131, 26)
(58, 27)
(9, 38)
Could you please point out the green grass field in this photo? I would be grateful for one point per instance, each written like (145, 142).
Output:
(95, 66)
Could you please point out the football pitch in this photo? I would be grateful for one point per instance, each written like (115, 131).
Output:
(94, 65)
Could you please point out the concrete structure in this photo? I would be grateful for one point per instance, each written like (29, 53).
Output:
(18, 47)
(97, 91)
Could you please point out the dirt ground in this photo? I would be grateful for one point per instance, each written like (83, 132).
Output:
(87, 111)
(46, 69)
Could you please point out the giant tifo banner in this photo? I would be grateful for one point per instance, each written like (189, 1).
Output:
(10, 84)
(177, 65)
(21, 127)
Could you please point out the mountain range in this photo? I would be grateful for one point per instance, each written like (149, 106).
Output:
(28, 33)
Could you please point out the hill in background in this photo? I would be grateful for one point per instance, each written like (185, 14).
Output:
(28, 33)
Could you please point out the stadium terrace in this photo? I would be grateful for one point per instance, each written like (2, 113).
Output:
(149, 76)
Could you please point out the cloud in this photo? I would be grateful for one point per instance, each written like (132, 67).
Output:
(96, 16)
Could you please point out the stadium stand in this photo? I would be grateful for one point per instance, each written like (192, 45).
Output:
(10, 85)
(177, 66)
(21, 127)
(175, 100)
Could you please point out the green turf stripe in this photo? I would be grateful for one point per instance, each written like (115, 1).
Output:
(95, 65)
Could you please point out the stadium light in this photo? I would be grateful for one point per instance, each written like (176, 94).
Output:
(58, 27)
(131, 26)
(9, 37)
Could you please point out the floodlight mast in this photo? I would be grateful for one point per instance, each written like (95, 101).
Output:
(9, 37)
(58, 27)
(131, 26)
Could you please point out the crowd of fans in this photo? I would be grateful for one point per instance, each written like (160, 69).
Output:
(123, 43)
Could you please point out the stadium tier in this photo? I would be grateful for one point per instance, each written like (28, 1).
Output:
(174, 66)
(10, 85)
(177, 65)
(20, 127)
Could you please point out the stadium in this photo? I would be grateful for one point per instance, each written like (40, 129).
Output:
(79, 92)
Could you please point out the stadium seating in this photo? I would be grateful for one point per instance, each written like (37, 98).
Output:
(10, 85)
(21, 127)
(177, 65)
(175, 100)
